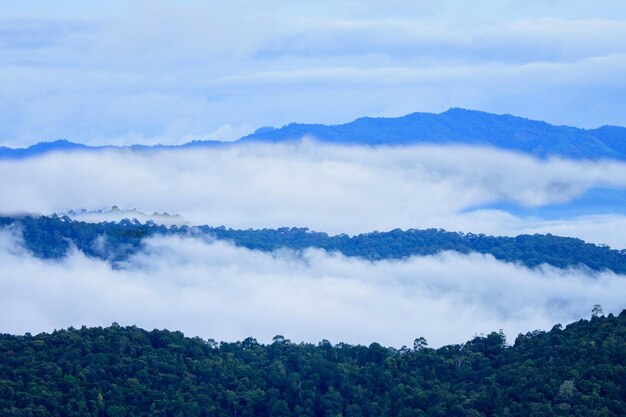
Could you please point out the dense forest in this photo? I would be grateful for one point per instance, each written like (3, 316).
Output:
(579, 370)
(51, 237)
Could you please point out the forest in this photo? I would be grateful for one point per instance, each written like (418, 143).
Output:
(577, 370)
(52, 237)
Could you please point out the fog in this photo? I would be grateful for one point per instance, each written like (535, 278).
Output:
(216, 290)
(336, 189)
(213, 289)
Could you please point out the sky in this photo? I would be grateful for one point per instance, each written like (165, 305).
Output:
(123, 71)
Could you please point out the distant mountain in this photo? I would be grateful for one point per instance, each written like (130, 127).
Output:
(455, 126)
(63, 145)
(466, 127)
(41, 148)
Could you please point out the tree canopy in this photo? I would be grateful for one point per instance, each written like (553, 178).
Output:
(579, 370)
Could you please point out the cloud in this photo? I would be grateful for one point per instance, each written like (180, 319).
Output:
(162, 71)
(213, 289)
(337, 189)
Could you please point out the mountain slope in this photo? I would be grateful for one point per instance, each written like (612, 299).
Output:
(126, 371)
(467, 127)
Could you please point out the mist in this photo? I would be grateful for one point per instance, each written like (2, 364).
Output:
(335, 189)
(215, 290)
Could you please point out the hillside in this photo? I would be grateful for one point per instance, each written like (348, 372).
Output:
(466, 127)
(127, 371)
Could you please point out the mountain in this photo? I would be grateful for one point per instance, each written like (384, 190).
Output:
(455, 126)
(63, 145)
(463, 127)
(41, 148)
(578, 370)
(52, 237)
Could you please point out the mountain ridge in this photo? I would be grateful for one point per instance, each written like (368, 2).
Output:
(455, 126)
(52, 237)
(458, 126)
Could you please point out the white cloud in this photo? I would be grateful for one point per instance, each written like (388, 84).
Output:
(163, 71)
(228, 293)
(326, 188)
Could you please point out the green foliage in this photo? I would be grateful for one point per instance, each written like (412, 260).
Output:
(51, 237)
(126, 371)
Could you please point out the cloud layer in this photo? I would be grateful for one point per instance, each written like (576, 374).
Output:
(173, 71)
(326, 188)
(213, 289)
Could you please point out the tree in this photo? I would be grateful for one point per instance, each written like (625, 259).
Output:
(420, 343)
(596, 311)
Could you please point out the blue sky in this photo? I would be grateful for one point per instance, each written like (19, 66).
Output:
(144, 72)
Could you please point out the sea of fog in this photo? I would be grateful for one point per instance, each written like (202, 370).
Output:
(213, 289)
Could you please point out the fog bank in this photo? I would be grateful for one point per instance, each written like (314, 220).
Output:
(216, 290)
(326, 188)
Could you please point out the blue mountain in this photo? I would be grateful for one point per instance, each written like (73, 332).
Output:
(40, 148)
(63, 145)
(455, 126)
(465, 127)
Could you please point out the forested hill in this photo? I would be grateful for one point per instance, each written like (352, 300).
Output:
(51, 237)
(125, 371)
(455, 126)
